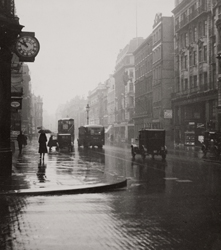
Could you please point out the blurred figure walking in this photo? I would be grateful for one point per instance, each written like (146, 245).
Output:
(20, 139)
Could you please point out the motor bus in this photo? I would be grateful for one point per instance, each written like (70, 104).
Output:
(66, 134)
(91, 135)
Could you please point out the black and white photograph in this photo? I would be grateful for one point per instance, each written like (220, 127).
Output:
(110, 124)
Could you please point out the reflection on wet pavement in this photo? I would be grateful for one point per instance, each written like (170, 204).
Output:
(174, 204)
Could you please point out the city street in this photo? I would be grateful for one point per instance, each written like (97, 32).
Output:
(172, 204)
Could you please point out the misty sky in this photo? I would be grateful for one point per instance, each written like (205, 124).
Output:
(80, 41)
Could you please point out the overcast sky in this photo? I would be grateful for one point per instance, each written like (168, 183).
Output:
(80, 41)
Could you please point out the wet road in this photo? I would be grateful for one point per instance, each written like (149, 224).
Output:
(172, 204)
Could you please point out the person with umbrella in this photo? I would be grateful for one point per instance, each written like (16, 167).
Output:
(42, 144)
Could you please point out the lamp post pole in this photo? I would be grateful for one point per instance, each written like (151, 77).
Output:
(87, 109)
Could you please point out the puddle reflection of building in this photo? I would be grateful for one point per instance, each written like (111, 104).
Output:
(41, 174)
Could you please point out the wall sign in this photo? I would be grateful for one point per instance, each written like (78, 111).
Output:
(15, 104)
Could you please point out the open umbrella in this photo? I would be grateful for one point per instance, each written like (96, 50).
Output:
(45, 131)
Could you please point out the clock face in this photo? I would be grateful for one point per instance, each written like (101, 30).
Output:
(27, 46)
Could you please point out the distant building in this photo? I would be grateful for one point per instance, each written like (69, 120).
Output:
(163, 72)
(154, 75)
(124, 92)
(143, 85)
(37, 113)
(98, 105)
(110, 85)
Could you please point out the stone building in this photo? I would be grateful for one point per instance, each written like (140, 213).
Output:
(143, 86)
(97, 100)
(110, 85)
(124, 92)
(163, 72)
(195, 98)
(154, 74)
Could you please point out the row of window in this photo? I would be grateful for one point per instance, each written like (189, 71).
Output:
(157, 95)
(157, 35)
(143, 105)
(144, 67)
(193, 34)
(202, 57)
(157, 74)
(157, 54)
(192, 83)
(144, 86)
(142, 54)
(196, 8)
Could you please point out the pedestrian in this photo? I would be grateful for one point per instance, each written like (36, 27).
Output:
(20, 139)
(42, 145)
(50, 143)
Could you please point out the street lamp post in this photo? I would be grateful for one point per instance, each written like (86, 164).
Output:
(87, 109)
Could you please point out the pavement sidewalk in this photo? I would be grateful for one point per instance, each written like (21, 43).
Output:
(59, 174)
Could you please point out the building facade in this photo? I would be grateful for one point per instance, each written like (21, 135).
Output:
(124, 92)
(143, 86)
(36, 113)
(195, 97)
(163, 72)
(97, 100)
(26, 117)
(154, 74)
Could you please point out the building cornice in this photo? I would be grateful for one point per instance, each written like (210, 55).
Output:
(180, 6)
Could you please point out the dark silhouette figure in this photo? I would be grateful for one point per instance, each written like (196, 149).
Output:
(25, 140)
(42, 145)
(20, 139)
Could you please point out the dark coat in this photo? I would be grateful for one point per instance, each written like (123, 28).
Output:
(42, 144)
(20, 139)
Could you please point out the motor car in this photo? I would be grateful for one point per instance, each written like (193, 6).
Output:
(91, 135)
(150, 142)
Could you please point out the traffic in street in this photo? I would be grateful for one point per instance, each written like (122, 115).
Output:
(167, 204)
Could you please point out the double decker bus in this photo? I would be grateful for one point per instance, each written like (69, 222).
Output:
(66, 133)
